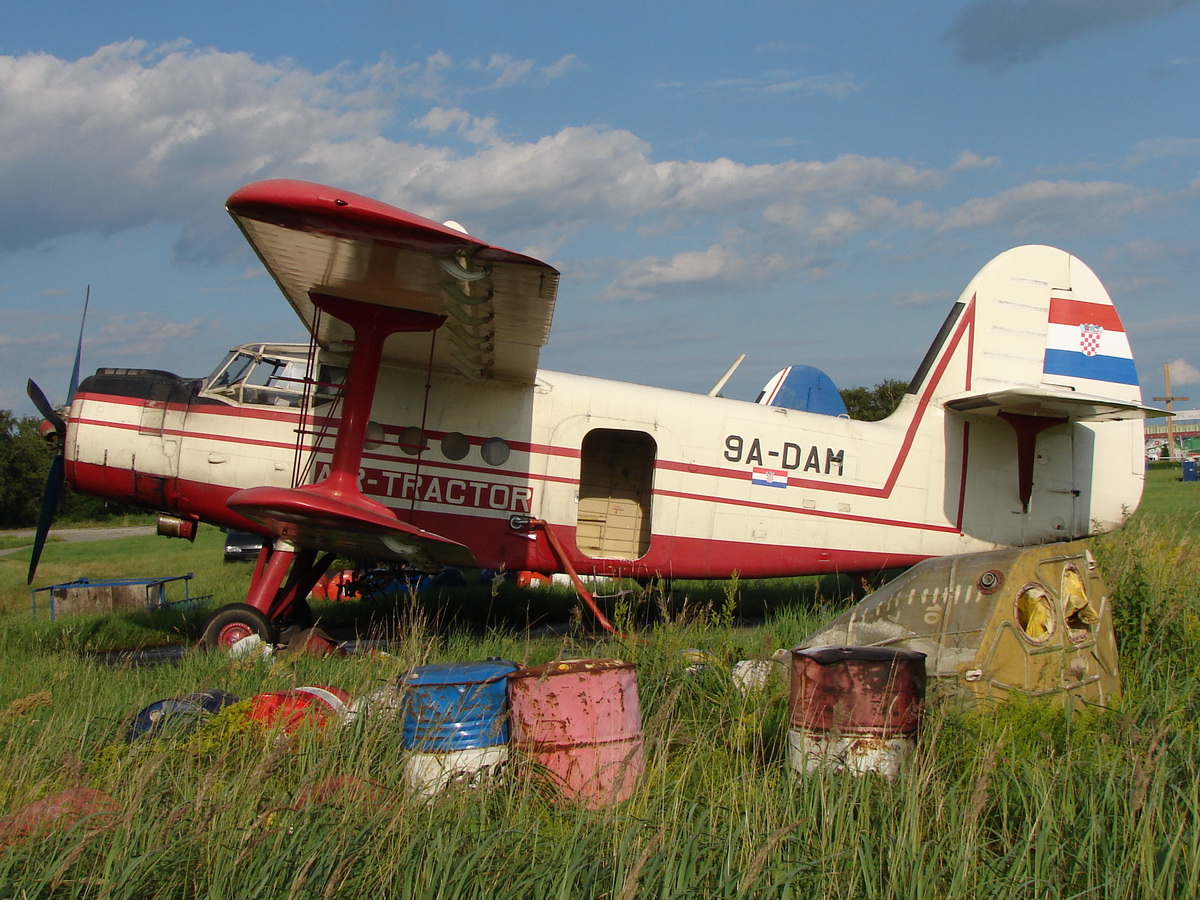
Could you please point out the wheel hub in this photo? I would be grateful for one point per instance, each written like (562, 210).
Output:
(232, 633)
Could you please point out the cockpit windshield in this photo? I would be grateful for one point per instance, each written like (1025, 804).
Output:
(273, 375)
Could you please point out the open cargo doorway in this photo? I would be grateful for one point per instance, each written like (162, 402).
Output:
(616, 479)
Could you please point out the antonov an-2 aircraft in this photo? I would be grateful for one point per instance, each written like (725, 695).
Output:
(416, 427)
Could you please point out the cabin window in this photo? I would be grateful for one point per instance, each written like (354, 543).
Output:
(412, 441)
(616, 481)
(455, 445)
(495, 451)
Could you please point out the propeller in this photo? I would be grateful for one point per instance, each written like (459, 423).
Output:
(57, 474)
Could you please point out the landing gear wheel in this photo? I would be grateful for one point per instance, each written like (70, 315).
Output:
(231, 623)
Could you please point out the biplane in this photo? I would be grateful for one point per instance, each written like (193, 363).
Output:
(415, 427)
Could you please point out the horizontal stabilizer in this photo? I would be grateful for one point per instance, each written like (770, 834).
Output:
(1069, 405)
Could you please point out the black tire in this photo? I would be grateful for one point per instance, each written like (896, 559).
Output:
(235, 621)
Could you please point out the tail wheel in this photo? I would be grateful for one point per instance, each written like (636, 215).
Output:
(236, 621)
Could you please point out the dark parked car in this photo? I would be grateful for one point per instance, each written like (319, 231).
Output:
(242, 545)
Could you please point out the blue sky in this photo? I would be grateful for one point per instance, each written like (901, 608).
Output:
(802, 182)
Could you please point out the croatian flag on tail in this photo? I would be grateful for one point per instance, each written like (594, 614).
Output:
(1087, 340)
(770, 477)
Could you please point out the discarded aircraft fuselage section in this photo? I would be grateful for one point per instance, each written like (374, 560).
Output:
(1035, 621)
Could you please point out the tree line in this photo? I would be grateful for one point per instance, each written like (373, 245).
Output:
(25, 460)
(24, 464)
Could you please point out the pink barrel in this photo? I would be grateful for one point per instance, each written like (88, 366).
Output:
(580, 720)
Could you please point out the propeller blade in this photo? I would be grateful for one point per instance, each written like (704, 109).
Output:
(79, 347)
(54, 484)
(49, 413)
(56, 477)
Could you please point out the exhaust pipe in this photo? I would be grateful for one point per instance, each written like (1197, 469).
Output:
(177, 527)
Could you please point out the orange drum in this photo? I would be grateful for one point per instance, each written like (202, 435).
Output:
(320, 590)
(312, 705)
(336, 587)
(532, 579)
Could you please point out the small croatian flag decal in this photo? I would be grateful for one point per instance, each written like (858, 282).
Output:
(770, 477)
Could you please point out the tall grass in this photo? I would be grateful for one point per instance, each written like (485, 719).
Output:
(1014, 799)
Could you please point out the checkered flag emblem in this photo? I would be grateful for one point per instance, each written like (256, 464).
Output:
(1089, 339)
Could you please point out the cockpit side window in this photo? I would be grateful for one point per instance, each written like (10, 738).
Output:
(262, 375)
(231, 370)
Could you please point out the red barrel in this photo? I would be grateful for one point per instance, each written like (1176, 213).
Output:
(855, 708)
(581, 721)
(312, 705)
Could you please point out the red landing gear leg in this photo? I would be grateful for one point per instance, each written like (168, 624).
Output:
(282, 580)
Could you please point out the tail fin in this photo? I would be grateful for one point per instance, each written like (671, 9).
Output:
(1036, 342)
(1043, 338)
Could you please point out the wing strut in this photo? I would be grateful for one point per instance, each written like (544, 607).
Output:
(584, 594)
(313, 516)
(372, 325)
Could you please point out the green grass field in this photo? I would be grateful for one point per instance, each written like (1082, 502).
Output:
(1021, 799)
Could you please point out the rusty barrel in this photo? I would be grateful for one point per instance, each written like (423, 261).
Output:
(455, 721)
(855, 709)
(581, 721)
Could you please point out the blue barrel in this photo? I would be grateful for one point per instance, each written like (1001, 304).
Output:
(1189, 470)
(456, 706)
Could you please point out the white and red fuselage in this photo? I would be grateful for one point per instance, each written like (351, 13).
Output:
(418, 428)
(642, 481)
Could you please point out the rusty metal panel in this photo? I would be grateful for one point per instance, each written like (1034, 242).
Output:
(1036, 620)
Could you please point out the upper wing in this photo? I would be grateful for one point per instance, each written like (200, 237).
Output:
(316, 239)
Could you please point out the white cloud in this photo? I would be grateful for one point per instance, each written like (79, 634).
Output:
(968, 161)
(1039, 204)
(134, 135)
(1162, 148)
(509, 72)
(475, 129)
(837, 86)
(696, 272)
(1183, 372)
(131, 134)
